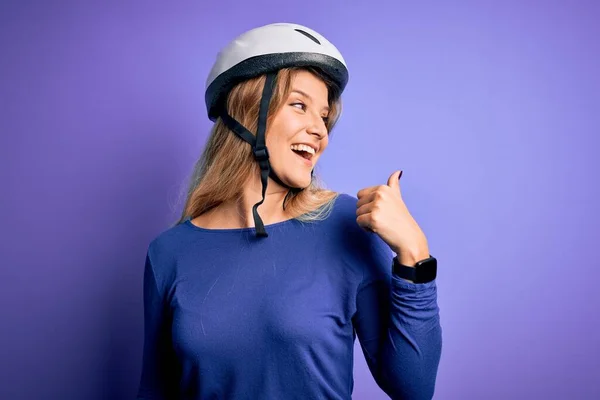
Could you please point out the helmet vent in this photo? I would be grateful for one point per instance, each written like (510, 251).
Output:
(308, 35)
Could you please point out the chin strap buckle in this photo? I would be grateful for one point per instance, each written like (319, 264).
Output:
(261, 154)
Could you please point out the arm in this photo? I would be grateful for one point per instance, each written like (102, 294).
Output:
(158, 379)
(397, 323)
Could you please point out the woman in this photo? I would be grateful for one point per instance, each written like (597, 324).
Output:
(242, 305)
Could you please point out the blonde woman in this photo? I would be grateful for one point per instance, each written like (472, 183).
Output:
(262, 287)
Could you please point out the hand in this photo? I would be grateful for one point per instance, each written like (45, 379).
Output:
(380, 209)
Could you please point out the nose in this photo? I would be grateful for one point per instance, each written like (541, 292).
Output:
(317, 126)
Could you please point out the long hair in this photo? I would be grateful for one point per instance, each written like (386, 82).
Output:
(227, 161)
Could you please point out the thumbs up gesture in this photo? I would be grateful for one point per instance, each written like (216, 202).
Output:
(381, 209)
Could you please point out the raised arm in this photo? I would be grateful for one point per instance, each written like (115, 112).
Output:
(398, 326)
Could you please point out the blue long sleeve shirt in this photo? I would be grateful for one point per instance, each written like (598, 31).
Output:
(229, 315)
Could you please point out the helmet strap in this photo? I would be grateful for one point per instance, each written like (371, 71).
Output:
(259, 148)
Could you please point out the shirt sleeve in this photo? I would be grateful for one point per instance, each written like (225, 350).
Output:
(398, 326)
(158, 380)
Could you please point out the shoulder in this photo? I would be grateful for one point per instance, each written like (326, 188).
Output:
(344, 208)
(345, 201)
(164, 248)
(362, 248)
(167, 239)
(362, 244)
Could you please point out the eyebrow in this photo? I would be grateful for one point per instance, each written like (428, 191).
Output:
(326, 108)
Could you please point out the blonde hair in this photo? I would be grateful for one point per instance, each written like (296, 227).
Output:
(227, 161)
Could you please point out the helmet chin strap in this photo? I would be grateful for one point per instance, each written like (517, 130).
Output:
(259, 148)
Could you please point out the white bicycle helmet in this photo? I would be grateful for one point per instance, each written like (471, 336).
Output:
(266, 50)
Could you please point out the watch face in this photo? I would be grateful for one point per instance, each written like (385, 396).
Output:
(427, 271)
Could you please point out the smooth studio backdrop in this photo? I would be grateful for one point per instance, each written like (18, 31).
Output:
(492, 109)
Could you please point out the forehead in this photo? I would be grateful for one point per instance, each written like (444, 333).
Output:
(311, 85)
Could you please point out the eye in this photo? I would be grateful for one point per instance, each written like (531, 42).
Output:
(299, 105)
(326, 120)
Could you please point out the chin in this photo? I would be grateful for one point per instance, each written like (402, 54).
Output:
(297, 176)
(299, 181)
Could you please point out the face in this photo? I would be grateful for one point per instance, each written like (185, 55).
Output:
(297, 135)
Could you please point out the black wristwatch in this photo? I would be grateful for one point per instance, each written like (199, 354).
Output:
(424, 271)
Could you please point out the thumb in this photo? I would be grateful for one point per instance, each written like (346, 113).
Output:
(394, 180)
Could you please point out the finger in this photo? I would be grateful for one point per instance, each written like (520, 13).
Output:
(364, 221)
(368, 190)
(394, 180)
(369, 194)
(368, 198)
(379, 194)
(368, 222)
(366, 208)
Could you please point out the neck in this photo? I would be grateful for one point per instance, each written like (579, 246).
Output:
(237, 213)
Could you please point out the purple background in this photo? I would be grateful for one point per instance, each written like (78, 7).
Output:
(491, 109)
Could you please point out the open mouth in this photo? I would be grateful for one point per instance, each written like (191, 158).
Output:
(303, 154)
(304, 151)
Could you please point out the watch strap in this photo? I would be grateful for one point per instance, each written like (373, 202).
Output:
(424, 271)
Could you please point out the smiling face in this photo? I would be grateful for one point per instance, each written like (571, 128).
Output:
(297, 135)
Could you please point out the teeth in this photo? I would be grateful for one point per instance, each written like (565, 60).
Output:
(303, 147)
